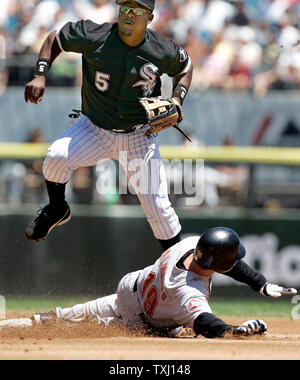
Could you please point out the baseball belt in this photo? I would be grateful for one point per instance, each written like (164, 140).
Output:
(77, 113)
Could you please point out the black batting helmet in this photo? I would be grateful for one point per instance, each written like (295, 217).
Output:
(219, 249)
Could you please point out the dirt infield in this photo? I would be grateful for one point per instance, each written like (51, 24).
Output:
(96, 343)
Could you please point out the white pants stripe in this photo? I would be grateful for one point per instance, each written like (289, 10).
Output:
(84, 144)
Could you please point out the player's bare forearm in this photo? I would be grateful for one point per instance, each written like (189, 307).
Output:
(50, 49)
(185, 79)
(35, 89)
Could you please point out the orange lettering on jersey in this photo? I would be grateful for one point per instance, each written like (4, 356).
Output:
(163, 267)
(147, 282)
(150, 302)
(164, 258)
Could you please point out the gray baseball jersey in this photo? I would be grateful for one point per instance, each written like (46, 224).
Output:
(166, 295)
(169, 295)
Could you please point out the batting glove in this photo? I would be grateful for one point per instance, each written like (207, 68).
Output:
(252, 327)
(275, 291)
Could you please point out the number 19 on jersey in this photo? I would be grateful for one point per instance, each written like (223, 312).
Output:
(150, 295)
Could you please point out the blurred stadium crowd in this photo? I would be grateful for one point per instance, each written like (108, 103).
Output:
(234, 44)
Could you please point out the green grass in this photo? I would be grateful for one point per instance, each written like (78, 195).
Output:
(36, 304)
(221, 307)
(253, 308)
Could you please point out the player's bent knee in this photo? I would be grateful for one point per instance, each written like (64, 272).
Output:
(54, 163)
(56, 166)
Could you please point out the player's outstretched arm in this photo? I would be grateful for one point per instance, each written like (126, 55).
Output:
(210, 326)
(35, 89)
(242, 272)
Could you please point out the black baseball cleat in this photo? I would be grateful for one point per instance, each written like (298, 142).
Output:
(47, 219)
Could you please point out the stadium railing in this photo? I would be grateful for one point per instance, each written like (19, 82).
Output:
(229, 154)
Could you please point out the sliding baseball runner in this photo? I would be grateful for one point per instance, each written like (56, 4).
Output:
(174, 292)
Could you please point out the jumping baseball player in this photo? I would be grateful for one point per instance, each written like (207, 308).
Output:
(174, 292)
(122, 111)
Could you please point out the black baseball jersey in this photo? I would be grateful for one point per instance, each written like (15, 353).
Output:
(116, 75)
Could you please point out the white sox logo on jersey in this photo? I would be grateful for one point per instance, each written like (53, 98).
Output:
(148, 73)
(183, 55)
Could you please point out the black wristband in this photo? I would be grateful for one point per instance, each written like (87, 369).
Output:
(180, 91)
(42, 67)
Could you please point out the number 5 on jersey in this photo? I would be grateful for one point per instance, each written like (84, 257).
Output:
(150, 295)
(102, 81)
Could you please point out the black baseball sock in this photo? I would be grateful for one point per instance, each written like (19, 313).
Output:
(56, 192)
(166, 244)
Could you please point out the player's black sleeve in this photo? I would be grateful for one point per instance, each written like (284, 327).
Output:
(77, 36)
(210, 326)
(178, 61)
(242, 272)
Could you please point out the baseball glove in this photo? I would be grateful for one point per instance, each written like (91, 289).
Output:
(162, 113)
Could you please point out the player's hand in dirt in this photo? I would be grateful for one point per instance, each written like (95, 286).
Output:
(275, 291)
(35, 89)
(252, 327)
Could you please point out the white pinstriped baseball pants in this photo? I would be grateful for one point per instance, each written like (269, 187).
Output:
(85, 144)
